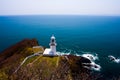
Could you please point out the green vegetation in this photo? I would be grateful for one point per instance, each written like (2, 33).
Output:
(13, 62)
(11, 58)
(39, 66)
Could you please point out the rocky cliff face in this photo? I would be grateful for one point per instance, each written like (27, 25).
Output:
(67, 67)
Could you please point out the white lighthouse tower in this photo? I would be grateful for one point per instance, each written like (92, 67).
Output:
(53, 45)
(52, 50)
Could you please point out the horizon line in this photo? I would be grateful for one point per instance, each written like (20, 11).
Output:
(56, 15)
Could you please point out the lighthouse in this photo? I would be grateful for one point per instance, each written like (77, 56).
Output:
(52, 50)
(53, 45)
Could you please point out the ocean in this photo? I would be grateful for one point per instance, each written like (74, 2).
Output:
(74, 34)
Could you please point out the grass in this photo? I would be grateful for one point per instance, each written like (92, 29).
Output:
(29, 60)
(14, 61)
(3, 75)
(51, 61)
(47, 64)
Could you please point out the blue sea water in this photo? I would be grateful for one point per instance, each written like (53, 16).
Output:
(95, 34)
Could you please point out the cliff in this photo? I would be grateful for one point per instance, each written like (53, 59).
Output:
(67, 67)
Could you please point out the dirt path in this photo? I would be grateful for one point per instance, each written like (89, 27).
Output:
(36, 54)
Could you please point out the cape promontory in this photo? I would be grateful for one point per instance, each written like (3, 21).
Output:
(16, 65)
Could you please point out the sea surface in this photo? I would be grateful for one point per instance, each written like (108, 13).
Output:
(74, 34)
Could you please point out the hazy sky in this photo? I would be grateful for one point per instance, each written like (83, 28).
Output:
(71, 7)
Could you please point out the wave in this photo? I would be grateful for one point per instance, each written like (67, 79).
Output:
(62, 53)
(114, 59)
(92, 65)
(92, 57)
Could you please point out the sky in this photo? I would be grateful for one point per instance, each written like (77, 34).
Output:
(60, 7)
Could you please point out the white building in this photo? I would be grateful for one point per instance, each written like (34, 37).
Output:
(52, 50)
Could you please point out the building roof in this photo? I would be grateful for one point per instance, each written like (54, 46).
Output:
(48, 52)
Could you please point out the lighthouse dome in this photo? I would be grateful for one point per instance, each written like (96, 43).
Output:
(53, 37)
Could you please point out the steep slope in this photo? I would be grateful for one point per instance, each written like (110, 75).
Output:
(11, 57)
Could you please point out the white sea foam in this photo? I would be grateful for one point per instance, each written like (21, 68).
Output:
(63, 53)
(92, 65)
(77, 54)
(117, 60)
(90, 56)
(114, 59)
(87, 55)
